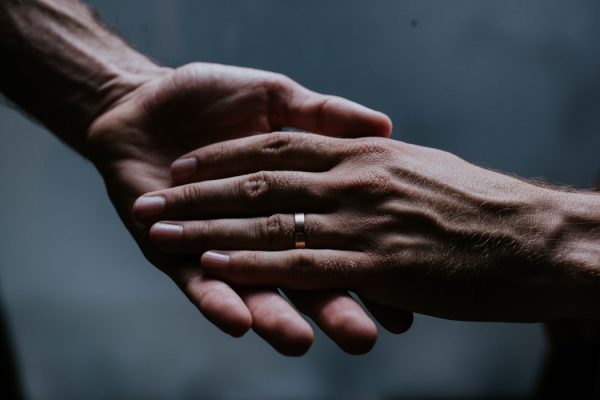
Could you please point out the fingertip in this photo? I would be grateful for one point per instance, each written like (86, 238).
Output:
(392, 319)
(214, 260)
(233, 319)
(278, 323)
(399, 326)
(355, 333)
(360, 120)
(289, 334)
(386, 125)
(334, 116)
(340, 317)
(147, 207)
(375, 123)
(296, 344)
(296, 340)
(184, 168)
(229, 315)
(162, 233)
(220, 305)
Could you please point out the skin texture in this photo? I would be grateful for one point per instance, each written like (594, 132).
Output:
(401, 225)
(132, 118)
(137, 140)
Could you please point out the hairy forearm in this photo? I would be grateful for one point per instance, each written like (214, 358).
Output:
(544, 239)
(552, 256)
(573, 246)
(62, 66)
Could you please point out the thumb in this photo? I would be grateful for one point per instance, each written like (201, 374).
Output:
(304, 109)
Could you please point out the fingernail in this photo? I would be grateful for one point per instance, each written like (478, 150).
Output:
(214, 259)
(166, 231)
(184, 168)
(151, 206)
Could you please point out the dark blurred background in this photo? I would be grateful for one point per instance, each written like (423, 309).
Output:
(512, 84)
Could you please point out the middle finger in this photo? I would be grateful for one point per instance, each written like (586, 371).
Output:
(257, 194)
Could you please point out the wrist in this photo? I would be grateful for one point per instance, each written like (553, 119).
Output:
(521, 236)
(63, 66)
(104, 130)
(573, 248)
(116, 81)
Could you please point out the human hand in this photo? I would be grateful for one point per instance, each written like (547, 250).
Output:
(401, 225)
(175, 111)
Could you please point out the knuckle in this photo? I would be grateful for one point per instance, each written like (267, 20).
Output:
(189, 283)
(368, 183)
(189, 195)
(377, 182)
(256, 187)
(272, 230)
(356, 231)
(322, 109)
(251, 262)
(191, 69)
(341, 268)
(212, 155)
(184, 77)
(367, 147)
(278, 142)
(302, 261)
(277, 92)
(277, 86)
(279, 82)
(201, 232)
(187, 73)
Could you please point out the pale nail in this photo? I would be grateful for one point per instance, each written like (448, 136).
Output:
(214, 259)
(184, 168)
(166, 231)
(150, 206)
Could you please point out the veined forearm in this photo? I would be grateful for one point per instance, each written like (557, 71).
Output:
(574, 247)
(62, 66)
(546, 242)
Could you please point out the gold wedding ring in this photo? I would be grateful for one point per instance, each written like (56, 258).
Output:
(299, 233)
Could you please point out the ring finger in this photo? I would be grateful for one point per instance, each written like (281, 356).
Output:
(265, 233)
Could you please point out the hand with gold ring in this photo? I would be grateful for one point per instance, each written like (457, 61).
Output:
(201, 216)
(132, 117)
(401, 225)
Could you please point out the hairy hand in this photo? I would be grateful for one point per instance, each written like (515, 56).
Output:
(401, 225)
(175, 111)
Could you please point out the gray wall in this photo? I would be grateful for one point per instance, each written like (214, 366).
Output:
(510, 84)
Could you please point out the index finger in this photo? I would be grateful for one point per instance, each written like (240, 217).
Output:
(271, 151)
